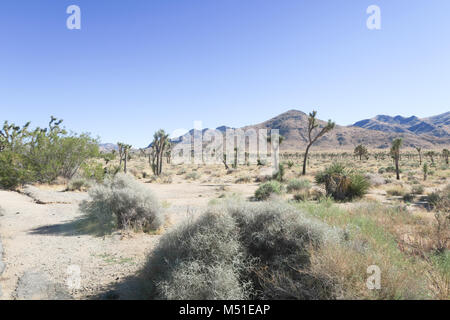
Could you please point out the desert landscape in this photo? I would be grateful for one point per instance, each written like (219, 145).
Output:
(224, 158)
(113, 222)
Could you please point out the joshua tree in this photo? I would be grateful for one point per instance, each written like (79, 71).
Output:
(123, 155)
(361, 151)
(312, 125)
(10, 133)
(425, 171)
(445, 154)
(419, 150)
(395, 153)
(431, 154)
(160, 143)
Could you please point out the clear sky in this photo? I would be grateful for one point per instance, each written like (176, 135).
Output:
(140, 65)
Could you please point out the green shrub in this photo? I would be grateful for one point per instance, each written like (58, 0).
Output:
(266, 189)
(358, 187)
(408, 197)
(417, 189)
(93, 171)
(121, 203)
(13, 170)
(298, 185)
(240, 251)
(41, 155)
(342, 183)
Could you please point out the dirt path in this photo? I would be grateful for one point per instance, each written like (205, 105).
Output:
(45, 247)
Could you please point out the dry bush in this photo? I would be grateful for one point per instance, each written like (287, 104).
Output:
(244, 179)
(397, 191)
(121, 203)
(240, 251)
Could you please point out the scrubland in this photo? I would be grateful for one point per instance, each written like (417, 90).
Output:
(207, 232)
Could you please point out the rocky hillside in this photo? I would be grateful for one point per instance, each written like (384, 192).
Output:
(293, 126)
(374, 133)
(437, 126)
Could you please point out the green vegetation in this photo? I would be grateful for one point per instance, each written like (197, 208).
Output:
(342, 183)
(266, 189)
(41, 155)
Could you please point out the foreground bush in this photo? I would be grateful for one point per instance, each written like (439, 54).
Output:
(266, 189)
(240, 251)
(121, 203)
(342, 183)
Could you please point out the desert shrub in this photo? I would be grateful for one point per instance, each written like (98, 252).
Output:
(295, 185)
(408, 197)
(266, 189)
(78, 184)
(243, 179)
(375, 180)
(240, 251)
(121, 202)
(397, 191)
(417, 189)
(41, 155)
(290, 164)
(93, 171)
(192, 175)
(440, 200)
(198, 260)
(13, 170)
(342, 183)
(358, 187)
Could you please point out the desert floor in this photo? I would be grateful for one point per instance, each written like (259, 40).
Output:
(46, 241)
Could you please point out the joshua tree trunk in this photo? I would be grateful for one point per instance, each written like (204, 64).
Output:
(397, 169)
(305, 159)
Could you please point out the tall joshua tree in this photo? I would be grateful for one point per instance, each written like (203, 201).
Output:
(160, 143)
(395, 153)
(312, 126)
(124, 150)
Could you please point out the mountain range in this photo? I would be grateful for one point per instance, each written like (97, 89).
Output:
(375, 133)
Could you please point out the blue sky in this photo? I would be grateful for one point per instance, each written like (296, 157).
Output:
(140, 65)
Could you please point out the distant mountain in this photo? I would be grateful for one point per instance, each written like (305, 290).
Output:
(108, 147)
(437, 126)
(378, 132)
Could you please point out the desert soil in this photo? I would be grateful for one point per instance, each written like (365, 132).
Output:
(45, 248)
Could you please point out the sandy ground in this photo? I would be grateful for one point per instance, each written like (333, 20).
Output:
(45, 249)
